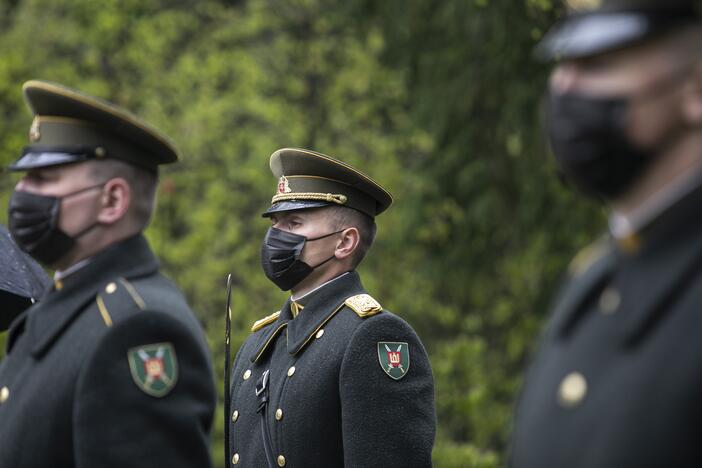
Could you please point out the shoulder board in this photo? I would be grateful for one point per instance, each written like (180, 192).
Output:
(265, 321)
(363, 305)
(118, 299)
(588, 256)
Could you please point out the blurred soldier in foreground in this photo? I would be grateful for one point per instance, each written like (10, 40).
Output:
(110, 368)
(617, 382)
(332, 379)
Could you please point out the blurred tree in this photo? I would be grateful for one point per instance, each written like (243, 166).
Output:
(488, 227)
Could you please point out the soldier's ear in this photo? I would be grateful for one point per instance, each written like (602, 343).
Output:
(348, 243)
(115, 201)
(692, 98)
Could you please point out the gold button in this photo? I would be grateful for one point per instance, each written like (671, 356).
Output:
(281, 460)
(278, 414)
(291, 371)
(235, 416)
(4, 394)
(58, 284)
(572, 390)
(235, 459)
(319, 333)
(630, 244)
(110, 288)
(247, 374)
(610, 301)
(100, 152)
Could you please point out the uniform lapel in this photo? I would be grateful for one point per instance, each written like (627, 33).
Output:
(570, 304)
(16, 329)
(271, 331)
(651, 282)
(320, 308)
(53, 314)
(648, 280)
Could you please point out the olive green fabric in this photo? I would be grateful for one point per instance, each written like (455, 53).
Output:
(307, 179)
(590, 6)
(66, 119)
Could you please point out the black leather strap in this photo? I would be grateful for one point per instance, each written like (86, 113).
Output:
(262, 394)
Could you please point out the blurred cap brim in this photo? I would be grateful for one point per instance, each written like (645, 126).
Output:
(590, 34)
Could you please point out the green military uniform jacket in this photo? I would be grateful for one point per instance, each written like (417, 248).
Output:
(618, 377)
(349, 385)
(110, 369)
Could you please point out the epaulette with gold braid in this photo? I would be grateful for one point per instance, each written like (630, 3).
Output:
(265, 321)
(363, 305)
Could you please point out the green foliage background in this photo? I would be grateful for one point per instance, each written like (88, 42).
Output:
(436, 99)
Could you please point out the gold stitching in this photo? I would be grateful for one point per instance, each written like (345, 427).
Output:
(309, 338)
(328, 197)
(275, 333)
(334, 161)
(103, 311)
(133, 292)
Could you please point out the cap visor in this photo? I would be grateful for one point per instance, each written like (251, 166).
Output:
(584, 35)
(34, 160)
(293, 205)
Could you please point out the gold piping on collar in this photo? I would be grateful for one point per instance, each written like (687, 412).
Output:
(138, 300)
(103, 311)
(271, 338)
(588, 256)
(319, 327)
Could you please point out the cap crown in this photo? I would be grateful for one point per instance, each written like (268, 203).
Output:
(307, 179)
(588, 6)
(593, 27)
(75, 127)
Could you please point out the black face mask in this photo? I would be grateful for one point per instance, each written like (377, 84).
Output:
(280, 257)
(33, 223)
(588, 136)
(588, 139)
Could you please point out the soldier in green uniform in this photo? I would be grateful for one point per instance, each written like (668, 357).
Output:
(110, 368)
(616, 380)
(332, 379)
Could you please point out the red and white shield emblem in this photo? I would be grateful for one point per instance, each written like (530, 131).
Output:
(283, 185)
(154, 367)
(395, 358)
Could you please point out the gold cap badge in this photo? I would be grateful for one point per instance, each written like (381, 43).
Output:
(34, 133)
(283, 185)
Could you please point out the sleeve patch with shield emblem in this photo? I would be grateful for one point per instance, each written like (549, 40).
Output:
(154, 368)
(394, 358)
